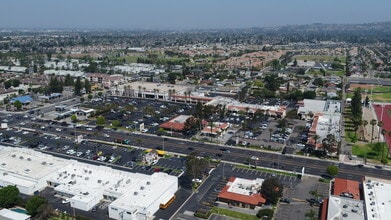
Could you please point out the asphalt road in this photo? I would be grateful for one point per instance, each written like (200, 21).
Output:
(313, 166)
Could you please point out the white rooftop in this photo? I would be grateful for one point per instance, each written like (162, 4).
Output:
(345, 208)
(312, 105)
(6, 214)
(150, 87)
(245, 186)
(328, 124)
(145, 191)
(85, 184)
(377, 194)
(25, 166)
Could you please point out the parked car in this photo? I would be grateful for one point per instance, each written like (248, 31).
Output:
(285, 200)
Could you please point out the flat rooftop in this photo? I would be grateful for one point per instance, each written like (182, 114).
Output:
(85, 182)
(25, 166)
(163, 88)
(377, 194)
(345, 208)
(245, 186)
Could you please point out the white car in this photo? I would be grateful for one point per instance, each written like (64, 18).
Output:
(89, 129)
(196, 180)
(65, 201)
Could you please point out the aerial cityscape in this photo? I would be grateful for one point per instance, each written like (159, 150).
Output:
(172, 110)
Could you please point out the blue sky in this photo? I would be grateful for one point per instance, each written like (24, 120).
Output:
(167, 14)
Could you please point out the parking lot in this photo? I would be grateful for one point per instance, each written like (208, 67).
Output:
(298, 195)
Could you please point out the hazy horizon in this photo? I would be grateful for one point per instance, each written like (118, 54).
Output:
(179, 14)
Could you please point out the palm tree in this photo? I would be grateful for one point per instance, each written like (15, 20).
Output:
(364, 124)
(311, 214)
(380, 124)
(270, 133)
(185, 93)
(169, 94)
(373, 123)
(139, 90)
(383, 159)
(316, 138)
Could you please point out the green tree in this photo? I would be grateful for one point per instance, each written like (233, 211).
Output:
(311, 215)
(272, 82)
(171, 77)
(373, 123)
(89, 96)
(265, 214)
(196, 166)
(364, 124)
(356, 104)
(87, 86)
(82, 99)
(318, 82)
(100, 120)
(309, 95)
(78, 87)
(7, 84)
(8, 196)
(332, 170)
(275, 64)
(35, 205)
(295, 62)
(74, 118)
(68, 80)
(366, 101)
(272, 189)
(15, 83)
(18, 105)
(300, 71)
(191, 123)
(55, 85)
(115, 123)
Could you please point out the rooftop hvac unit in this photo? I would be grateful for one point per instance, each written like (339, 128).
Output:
(135, 193)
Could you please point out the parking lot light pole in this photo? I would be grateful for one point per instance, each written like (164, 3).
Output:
(163, 143)
(223, 171)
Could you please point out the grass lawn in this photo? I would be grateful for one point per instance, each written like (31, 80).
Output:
(233, 214)
(381, 89)
(367, 151)
(381, 97)
(320, 58)
(337, 73)
(361, 150)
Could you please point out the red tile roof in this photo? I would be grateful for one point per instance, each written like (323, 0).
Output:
(346, 186)
(324, 210)
(254, 199)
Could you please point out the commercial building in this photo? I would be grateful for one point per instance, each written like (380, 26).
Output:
(132, 195)
(242, 192)
(344, 208)
(369, 199)
(235, 106)
(377, 196)
(8, 214)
